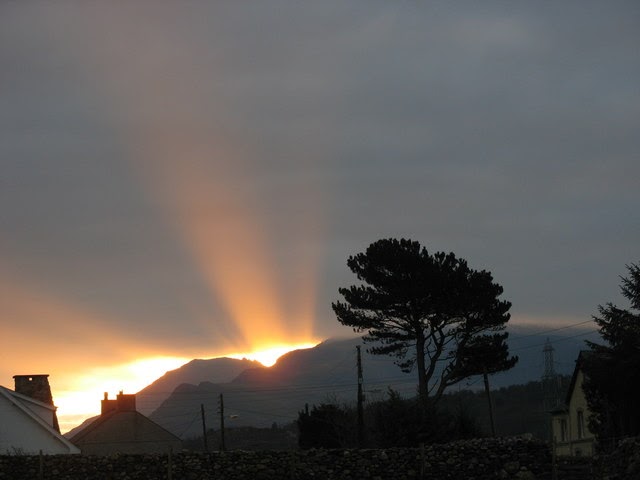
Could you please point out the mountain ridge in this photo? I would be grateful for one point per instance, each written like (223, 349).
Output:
(327, 373)
(219, 369)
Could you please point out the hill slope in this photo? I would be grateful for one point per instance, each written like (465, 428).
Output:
(220, 370)
(260, 396)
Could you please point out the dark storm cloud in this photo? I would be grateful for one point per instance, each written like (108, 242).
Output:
(506, 132)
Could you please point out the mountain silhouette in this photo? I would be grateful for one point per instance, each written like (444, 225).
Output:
(216, 370)
(259, 396)
(327, 373)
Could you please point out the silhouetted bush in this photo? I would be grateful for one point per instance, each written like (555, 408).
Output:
(326, 426)
(393, 422)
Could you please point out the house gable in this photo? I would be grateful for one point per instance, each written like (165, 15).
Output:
(26, 426)
(571, 434)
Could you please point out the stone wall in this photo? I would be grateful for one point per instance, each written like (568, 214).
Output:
(575, 468)
(623, 464)
(482, 459)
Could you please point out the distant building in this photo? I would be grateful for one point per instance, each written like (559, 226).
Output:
(569, 422)
(28, 421)
(120, 428)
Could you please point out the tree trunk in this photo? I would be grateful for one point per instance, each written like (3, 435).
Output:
(422, 371)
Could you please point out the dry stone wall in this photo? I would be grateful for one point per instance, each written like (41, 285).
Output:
(512, 458)
(623, 464)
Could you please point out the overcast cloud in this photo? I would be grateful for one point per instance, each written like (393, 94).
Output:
(506, 132)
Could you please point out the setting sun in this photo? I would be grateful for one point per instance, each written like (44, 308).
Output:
(81, 399)
(269, 356)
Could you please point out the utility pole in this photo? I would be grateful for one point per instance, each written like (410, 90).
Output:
(549, 368)
(550, 385)
(360, 401)
(487, 390)
(204, 429)
(549, 378)
(222, 446)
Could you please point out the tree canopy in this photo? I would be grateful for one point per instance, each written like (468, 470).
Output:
(484, 355)
(612, 370)
(428, 310)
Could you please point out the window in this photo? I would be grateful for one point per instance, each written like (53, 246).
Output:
(563, 430)
(580, 421)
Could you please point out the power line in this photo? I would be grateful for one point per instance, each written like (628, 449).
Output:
(543, 332)
(189, 426)
(563, 339)
(305, 389)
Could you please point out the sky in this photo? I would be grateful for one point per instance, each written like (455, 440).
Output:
(186, 180)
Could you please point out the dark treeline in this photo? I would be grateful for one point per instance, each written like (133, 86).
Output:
(248, 438)
(519, 409)
(402, 422)
(395, 421)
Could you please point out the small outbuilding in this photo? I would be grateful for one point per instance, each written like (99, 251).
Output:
(120, 428)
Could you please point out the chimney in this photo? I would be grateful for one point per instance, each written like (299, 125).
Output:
(107, 406)
(126, 403)
(122, 403)
(36, 387)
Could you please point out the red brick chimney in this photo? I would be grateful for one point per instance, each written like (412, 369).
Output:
(122, 403)
(108, 406)
(126, 403)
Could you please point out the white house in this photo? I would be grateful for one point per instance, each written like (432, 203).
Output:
(569, 423)
(29, 426)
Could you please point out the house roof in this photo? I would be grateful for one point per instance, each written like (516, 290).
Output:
(25, 399)
(115, 425)
(21, 402)
(574, 377)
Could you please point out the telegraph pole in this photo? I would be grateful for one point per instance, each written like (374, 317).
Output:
(360, 401)
(222, 446)
(487, 390)
(549, 378)
(550, 385)
(204, 429)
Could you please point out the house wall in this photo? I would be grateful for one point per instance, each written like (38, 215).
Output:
(20, 434)
(561, 442)
(46, 414)
(579, 440)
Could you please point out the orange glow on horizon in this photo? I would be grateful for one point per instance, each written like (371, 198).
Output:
(201, 177)
(198, 172)
(81, 400)
(80, 350)
(270, 355)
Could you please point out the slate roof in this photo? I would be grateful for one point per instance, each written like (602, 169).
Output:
(126, 432)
